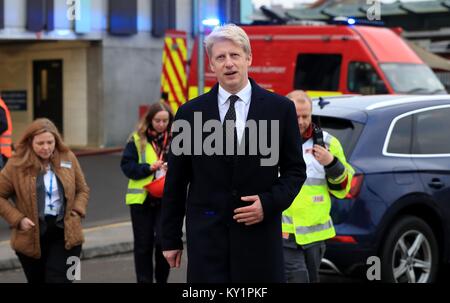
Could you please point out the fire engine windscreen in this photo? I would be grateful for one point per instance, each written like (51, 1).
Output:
(412, 78)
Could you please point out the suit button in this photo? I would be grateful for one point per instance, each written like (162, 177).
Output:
(234, 192)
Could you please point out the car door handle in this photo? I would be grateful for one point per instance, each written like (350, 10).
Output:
(436, 183)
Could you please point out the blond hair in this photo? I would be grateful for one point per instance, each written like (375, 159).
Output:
(230, 32)
(146, 122)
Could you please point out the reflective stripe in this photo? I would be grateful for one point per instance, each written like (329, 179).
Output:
(303, 230)
(287, 219)
(315, 181)
(135, 191)
(6, 136)
(143, 158)
(340, 178)
(3, 144)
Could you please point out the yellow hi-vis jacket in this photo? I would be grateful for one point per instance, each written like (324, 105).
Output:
(308, 217)
(6, 137)
(136, 193)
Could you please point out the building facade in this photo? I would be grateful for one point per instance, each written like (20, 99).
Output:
(89, 64)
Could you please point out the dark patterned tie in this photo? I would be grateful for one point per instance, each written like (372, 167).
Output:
(230, 132)
(231, 113)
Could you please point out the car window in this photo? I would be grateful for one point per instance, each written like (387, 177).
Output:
(317, 72)
(346, 131)
(432, 135)
(400, 139)
(363, 79)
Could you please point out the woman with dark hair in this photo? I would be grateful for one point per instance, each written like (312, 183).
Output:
(50, 194)
(143, 160)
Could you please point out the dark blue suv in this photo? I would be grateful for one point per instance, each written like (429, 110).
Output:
(399, 206)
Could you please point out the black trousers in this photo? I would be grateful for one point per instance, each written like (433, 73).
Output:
(146, 220)
(51, 267)
(302, 264)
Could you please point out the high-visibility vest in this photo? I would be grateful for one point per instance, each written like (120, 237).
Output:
(308, 217)
(136, 193)
(6, 137)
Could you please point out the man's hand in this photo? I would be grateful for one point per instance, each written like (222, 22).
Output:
(251, 214)
(26, 224)
(322, 155)
(173, 257)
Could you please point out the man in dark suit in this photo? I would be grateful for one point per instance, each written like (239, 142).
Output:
(232, 201)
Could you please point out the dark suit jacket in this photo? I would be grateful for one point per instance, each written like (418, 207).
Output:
(219, 249)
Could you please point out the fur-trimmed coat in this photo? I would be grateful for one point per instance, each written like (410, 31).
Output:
(20, 184)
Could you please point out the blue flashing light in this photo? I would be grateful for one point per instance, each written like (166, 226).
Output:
(351, 21)
(211, 22)
(63, 32)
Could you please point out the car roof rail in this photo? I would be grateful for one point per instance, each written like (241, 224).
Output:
(409, 99)
(335, 97)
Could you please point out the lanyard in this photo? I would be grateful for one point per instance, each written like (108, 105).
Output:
(155, 147)
(50, 191)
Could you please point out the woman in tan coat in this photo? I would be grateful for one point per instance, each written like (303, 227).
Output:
(50, 196)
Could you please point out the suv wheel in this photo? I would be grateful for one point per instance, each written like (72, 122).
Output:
(410, 252)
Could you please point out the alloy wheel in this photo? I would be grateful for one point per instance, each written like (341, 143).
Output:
(412, 258)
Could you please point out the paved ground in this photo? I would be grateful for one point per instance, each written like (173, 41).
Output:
(107, 197)
(101, 241)
(113, 269)
(120, 269)
(107, 257)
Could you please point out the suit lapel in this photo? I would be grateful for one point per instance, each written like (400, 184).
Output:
(256, 103)
(211, 109)
(255, 111)
(211, 112)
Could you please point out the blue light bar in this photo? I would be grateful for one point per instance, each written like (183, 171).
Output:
(211, 22)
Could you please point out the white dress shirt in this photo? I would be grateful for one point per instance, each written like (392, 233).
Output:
(52, 200)
(241, 106)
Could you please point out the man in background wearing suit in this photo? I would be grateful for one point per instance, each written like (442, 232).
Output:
(232, 202)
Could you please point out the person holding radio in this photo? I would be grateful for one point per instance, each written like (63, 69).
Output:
(306, 224)
(144, 163)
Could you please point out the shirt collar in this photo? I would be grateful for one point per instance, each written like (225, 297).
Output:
(244, 94)
(308, 133)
